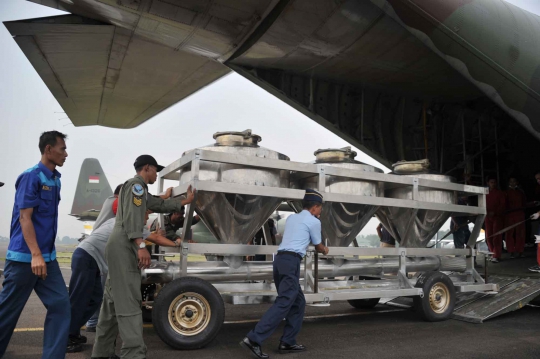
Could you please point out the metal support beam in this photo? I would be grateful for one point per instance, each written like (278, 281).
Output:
(190, 209)
(309, 283)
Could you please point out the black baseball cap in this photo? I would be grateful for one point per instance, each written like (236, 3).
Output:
(147, 160)
(1, 184)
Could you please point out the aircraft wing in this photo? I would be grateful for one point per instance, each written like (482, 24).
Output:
(398, 79)
(105, 75)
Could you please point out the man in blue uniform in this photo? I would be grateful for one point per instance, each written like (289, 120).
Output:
(31, 257)
(301, 230)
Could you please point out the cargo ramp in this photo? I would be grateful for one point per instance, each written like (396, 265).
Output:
(477, 307)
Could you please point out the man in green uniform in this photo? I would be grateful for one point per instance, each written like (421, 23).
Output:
(172, 223)
(126, 255)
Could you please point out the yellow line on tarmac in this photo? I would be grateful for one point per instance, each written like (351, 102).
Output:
(28, 330)
(41, 329)
(311, 317)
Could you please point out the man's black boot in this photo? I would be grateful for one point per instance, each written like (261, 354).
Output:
(80, 339)
(254, 348)
(73, 347)
(286, 348)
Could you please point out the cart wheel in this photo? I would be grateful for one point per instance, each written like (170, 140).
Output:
(188, 313)
(148, 292)
(364, 303)
(439, 297)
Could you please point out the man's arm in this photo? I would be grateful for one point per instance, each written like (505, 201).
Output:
(167, 194)
(39, 267)
(162, 241)
(142, 254)
(27, 198)
(160, 205)
(379, 231)
(134, 214)
(315, 235)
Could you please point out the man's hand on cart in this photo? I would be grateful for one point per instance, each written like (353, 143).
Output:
(190, 195)
(321, 248)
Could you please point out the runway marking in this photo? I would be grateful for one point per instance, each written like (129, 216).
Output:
(309, 317)
(28, 330)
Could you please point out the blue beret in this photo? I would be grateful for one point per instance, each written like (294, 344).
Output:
(314, 196)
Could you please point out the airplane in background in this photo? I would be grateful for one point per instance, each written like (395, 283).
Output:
(92, 190)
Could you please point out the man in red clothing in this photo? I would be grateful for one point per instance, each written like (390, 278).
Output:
(516, 201)
(536, 268)
(496, 206)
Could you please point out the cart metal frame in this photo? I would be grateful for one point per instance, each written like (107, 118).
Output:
(317, 291)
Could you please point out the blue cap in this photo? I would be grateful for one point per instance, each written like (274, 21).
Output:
(313, 196)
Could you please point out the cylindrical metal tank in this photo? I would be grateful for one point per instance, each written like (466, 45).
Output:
(235, 218)
(426, 222)
(341, 222)
(218, 271)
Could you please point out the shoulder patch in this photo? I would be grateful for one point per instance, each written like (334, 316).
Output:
(137, 201)
(137, 190)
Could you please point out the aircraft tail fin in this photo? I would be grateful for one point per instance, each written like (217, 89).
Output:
(92, 188)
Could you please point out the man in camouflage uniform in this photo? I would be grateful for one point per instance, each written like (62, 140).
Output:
(126, 255)
(172, 223)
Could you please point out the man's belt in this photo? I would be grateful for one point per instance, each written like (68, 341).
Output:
(290, 253)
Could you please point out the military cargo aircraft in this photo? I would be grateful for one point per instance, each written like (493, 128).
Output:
(454, 81)
(92, 190)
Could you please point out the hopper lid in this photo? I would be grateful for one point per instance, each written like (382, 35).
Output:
(345, 154)
(233, 138)
(411, 167)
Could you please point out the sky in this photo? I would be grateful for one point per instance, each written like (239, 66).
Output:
(27, 108)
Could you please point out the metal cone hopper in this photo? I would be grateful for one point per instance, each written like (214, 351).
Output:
(411, 227)
(341, 222)
(236, 218)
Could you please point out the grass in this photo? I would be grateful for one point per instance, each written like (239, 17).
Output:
(65, 257)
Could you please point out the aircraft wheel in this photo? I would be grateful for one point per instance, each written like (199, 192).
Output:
(439, 298)
(188, 313)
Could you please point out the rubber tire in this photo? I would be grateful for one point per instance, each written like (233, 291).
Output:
(147, 313)
(364, 303)
(421, 305)
(164, 299)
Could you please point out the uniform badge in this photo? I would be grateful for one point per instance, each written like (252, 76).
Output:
(137, 190)
(137, 201)
(46, 188)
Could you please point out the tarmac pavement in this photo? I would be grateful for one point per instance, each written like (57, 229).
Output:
(338, 331)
